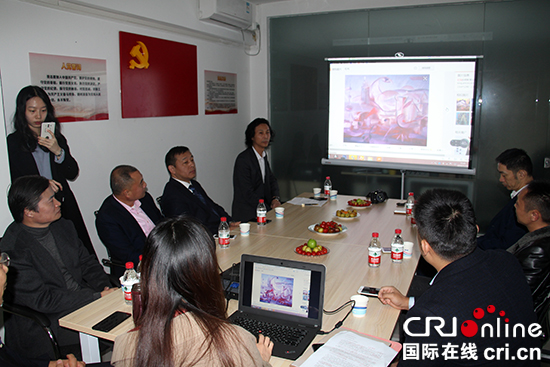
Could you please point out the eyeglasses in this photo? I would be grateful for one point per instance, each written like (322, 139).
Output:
(4, 259)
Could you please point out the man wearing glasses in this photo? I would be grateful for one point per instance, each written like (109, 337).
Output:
(53, 273)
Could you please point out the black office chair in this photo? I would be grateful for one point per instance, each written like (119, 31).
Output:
(37, 317)
(110, 263)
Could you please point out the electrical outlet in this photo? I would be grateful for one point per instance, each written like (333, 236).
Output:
(547, 162)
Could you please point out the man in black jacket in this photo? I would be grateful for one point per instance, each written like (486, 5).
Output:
(184, 195)
(52, 272)
(126, 217)
(516, 171)
(472, 309)
(533, 249)
(252, 176)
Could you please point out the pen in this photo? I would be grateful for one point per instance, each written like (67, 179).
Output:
(307, 204)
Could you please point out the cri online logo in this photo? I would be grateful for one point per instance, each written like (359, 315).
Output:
(470, 328)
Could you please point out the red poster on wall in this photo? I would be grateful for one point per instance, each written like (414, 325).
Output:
(157, 77)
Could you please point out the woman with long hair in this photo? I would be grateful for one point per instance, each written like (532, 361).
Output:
(31, 154)
(183, 321)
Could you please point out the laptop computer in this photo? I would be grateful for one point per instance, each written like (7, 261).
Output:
(282, 299)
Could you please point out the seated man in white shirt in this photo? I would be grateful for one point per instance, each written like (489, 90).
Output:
(126, 217)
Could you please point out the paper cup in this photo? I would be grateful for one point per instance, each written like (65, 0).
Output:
(333, 194)
(279, 212)
(407, 249)
(245, 229)
(360, 308)
(317, 192)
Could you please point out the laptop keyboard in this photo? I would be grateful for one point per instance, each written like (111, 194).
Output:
(278, 333)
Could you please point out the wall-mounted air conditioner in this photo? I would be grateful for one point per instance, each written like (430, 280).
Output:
(236, 13)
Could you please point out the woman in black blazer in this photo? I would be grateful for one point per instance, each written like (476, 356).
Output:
(31, 154)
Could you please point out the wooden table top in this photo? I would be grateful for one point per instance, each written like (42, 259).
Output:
(346, 265)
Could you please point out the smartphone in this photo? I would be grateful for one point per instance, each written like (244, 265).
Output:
(386, 250)
(368, 291)
(44, 129)
(111, 321)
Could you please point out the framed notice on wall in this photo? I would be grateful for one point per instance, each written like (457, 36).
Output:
(76, 86)
(158, 77)
(220, 92)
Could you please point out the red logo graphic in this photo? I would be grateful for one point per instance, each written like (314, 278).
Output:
(469, 328)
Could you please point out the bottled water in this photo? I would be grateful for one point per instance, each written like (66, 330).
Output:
(327, 186)
(129, 278)
(375, 251)
(397, 247)
(223, 233)
(261, 212)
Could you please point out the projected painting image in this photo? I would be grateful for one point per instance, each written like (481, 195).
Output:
(391, 109)
(276, 290)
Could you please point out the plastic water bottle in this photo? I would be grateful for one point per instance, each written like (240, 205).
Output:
(375, 251)
(129, 278)
(397, 247)
(327, 186)
(223, 233)
(409, 205)
(261, 212)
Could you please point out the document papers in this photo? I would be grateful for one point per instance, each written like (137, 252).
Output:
(349, 349)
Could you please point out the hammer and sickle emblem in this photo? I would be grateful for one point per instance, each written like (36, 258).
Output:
(142, 56)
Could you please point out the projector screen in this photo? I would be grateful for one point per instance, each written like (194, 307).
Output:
(403, 113)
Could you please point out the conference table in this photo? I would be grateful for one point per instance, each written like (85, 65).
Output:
(346, 264)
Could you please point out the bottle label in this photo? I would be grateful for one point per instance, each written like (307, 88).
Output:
(327, 190)
(374, 256)
(397, 251)
(261, 218)
(127, 290)
(223, 241)
(408, 211)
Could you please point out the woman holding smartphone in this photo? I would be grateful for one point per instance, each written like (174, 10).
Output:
(47, 155)
(183, 321)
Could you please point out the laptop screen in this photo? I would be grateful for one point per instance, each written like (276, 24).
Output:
(282, 289)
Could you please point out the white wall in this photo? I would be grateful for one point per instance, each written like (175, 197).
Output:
(98, 146)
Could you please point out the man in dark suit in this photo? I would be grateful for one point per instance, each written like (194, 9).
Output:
(183, 195)
(516, 171)
(51, 270)
(126, 217)
(252, 177)
(473, 293)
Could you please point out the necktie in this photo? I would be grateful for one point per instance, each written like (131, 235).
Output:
(197, 194)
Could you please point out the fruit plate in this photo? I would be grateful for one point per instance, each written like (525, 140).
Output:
(357, 207)
(344, 228)
(346, 218)
(313, 254)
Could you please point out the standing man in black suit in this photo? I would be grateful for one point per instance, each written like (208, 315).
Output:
(252, 176)
(183, 195)
(473, 292)
(126, 217)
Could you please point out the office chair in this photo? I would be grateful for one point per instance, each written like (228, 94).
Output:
(37, 317)
(110, 263)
